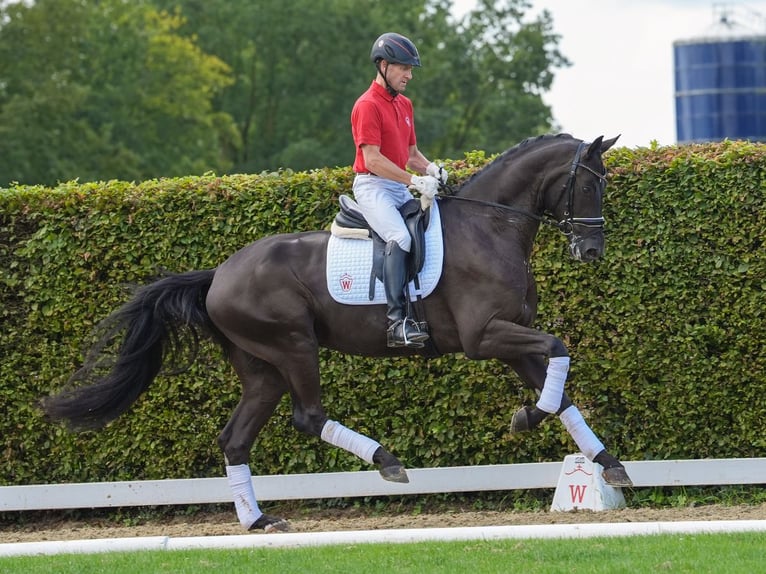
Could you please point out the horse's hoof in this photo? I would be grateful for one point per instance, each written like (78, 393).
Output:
(394, 474)
(617, 476)
(520, 420)
(269, 523)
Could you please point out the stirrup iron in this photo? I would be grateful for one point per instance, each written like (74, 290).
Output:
(409, 334)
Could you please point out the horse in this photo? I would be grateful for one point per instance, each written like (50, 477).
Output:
(268, 307)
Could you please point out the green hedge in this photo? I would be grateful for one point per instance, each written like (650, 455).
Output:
(666, 331)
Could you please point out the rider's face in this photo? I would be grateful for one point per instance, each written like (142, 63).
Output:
(398, 75)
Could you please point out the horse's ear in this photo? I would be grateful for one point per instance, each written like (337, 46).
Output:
(605, 145)
(594, 147)
(599, 146)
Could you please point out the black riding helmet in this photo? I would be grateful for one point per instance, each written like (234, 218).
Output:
(394, 49)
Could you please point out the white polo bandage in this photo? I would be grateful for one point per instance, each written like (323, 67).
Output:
(241, 485)
(553, 388)
(582, 434)
(337, 435)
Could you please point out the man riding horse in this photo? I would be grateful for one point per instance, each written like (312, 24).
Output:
(383, 127)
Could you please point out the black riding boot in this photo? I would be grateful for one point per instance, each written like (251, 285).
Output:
(402, 332)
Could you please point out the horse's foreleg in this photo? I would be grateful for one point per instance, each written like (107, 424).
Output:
(525, 350)
(614, 472)
(534, 373)
(262, 389)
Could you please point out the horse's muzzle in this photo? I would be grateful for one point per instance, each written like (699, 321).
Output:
(588, 248)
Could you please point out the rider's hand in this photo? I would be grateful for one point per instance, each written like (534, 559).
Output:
(426, 184)
(438, 172)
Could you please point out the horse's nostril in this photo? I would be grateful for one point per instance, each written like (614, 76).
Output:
(588, 254)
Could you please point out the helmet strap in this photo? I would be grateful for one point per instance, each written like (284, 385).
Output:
(390, 89)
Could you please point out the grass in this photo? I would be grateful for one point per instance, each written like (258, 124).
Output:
(699, 553)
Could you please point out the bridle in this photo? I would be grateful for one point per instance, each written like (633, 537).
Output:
(566, 225)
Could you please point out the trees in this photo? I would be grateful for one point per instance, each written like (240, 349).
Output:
(299, 68)
(483, 85)
(105, 89)
(298, 65)
(100, 89)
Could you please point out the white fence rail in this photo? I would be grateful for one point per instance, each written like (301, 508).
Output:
(700, 472)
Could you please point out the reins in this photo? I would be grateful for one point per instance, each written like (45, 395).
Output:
(543, 219)
(566, 225)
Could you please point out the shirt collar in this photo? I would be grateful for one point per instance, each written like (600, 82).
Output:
(382, 91)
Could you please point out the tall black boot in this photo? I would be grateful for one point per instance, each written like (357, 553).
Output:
(402, 332)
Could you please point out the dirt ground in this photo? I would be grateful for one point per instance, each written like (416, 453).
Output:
(221, 523)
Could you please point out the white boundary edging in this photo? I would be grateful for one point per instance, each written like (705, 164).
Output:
(309, 539)
(699, 472)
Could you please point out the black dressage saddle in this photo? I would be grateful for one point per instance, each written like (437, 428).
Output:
(416, 219)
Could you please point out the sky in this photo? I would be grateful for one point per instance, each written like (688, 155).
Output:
(621, 77)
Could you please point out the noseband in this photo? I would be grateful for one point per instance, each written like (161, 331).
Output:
(566, 225)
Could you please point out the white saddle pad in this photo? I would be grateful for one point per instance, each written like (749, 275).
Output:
(349, 265)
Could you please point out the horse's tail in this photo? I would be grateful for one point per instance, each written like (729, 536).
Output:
(132, 345)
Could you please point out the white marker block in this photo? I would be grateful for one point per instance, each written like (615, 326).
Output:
(581, 487)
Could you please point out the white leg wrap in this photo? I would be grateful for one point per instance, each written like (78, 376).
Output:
(337, 435)
(583, 436)
(241, 484)
(553, 388)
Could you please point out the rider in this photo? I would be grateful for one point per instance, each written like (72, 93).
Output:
(383, 127)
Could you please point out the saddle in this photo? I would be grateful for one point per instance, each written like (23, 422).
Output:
(350, 223)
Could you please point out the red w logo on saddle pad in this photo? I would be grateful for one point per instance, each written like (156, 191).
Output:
(346, 282)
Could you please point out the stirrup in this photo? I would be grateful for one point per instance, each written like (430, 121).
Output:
(406, 333)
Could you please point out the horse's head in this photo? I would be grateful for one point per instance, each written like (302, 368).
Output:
(574, 198)
(566, 178)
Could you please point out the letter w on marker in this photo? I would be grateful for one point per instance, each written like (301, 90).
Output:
(577, 492)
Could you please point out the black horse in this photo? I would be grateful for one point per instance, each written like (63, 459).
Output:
(268, 305)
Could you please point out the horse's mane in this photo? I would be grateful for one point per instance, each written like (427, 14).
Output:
(508, 155)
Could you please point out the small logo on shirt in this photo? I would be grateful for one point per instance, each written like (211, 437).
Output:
(407, 121)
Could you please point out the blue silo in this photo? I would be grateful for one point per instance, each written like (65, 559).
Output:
(720, 82)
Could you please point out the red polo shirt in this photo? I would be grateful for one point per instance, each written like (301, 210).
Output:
(383, 120)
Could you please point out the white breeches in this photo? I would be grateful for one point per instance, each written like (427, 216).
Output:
(380, 200)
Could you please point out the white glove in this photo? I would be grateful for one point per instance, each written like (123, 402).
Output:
(427, 185)
(438, 172)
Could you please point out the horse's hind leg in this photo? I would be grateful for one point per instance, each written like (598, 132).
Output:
(367, 449)
(533, 372)
(301, 371)
(262, 389)
(296, 372)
